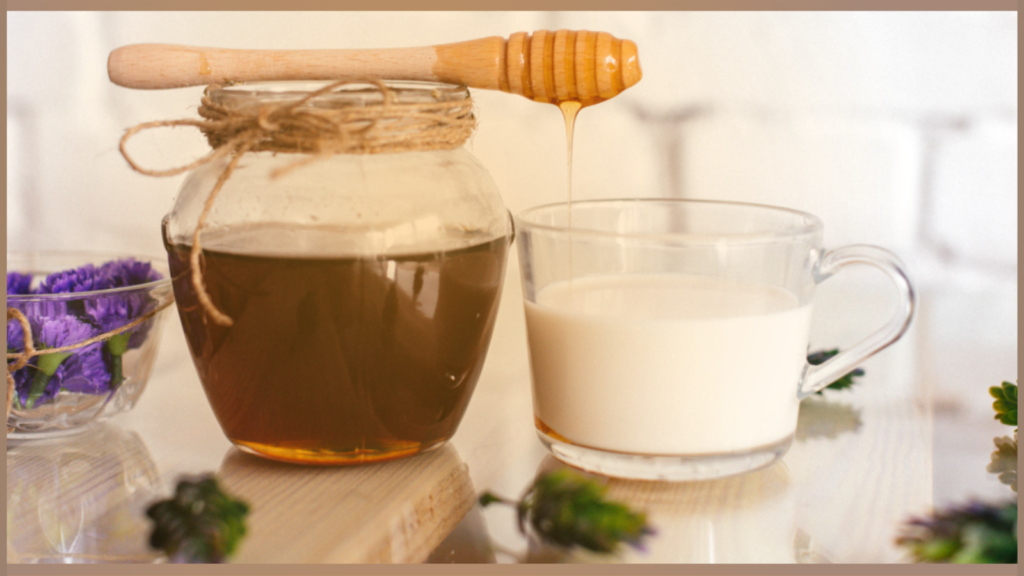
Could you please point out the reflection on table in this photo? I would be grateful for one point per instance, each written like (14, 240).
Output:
(80, 498)
(468, 543)
(1004, 460)
(821, 418)
(750, 518)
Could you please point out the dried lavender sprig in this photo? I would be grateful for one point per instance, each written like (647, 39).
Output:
(976, 533)
(567, 509)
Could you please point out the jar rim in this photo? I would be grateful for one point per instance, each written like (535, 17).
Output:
(356, 93)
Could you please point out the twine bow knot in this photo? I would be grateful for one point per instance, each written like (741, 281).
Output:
(298, 127)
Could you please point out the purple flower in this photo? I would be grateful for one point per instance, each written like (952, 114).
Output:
(85, 371)
(130, 272)
(15, 336)
(80, 370)
(18, 283)
(23, 381)
(43, 307)
(110, 312)
(84, 279)
(113, 274)
(116, 310)
(61, 331)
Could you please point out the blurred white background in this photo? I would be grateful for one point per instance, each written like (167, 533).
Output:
(898, 129)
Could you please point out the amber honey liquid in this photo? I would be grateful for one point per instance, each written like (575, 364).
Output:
(569, 108)
(339, 360)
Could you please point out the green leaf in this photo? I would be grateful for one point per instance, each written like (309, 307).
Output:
(847, 381)
(1006, 403)
(118, 343)
(819, 357)
(1009, 418)
(938, 550)
(116, 371)
(566, 509)
(37, 388)
(46, 366)
(973, 533)
(983, 544)
(487, 499)
(48, 363)
(200, 524)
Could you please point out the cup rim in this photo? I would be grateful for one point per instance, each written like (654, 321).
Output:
(87, 257)
(813, 225)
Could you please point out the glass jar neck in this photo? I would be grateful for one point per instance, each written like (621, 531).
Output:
(245, 97)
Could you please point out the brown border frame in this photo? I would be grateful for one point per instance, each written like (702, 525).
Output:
(504, 569)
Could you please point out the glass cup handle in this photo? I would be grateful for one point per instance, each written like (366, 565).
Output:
(817, 377)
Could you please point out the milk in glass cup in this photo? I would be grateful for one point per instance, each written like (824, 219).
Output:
(668, 338)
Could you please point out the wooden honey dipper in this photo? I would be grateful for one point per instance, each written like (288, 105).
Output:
(587, 67)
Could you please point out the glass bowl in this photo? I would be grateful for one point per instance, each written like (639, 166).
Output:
(61, 392)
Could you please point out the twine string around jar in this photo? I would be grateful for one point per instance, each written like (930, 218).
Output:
(292, 127)
(22, 358)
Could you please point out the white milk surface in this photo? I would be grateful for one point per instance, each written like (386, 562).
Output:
(667, 364)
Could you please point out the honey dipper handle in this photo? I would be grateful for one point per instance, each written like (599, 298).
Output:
(156, 66)
(545, 66)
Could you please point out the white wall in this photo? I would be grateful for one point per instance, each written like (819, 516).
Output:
(898, 129)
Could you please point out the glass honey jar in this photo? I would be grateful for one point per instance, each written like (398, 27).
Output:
(362, 283)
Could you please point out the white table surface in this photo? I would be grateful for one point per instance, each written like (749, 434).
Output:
(916, 432)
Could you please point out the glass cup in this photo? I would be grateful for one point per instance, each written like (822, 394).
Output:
(668, 338)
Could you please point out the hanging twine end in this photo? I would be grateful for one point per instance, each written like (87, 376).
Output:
(220, 318)
(296, 127)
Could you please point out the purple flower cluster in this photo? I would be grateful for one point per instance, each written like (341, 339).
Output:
(129, 272)
(84, 370)
(18, 283)
(113, 274)
(84, 279)
(92, 369)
